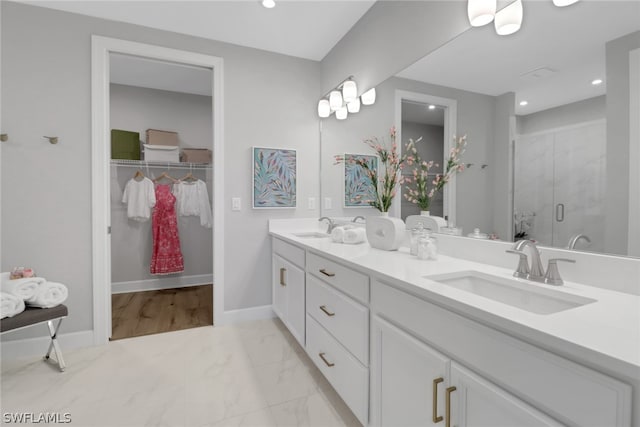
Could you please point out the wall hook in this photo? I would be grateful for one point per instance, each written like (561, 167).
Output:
(484, 166)
(52, 139)
(4, 137)
(468, 165)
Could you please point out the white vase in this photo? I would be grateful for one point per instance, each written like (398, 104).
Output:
(385, 232)
(425, 213)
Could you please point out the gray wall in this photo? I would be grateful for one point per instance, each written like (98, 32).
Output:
(46, 213)
(475, 118)
(370, 50)
(565, 115)
(137, 109)
(618, 126)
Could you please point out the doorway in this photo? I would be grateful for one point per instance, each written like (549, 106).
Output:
(102, 50)
(434, 119)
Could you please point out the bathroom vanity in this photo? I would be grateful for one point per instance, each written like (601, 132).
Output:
(455, 342)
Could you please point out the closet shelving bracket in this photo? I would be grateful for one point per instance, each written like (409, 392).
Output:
(167, 165)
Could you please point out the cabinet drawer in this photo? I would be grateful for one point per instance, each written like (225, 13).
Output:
(344, 318)
(348, 281)
(565, 390)
(288, 251)
(347, 376)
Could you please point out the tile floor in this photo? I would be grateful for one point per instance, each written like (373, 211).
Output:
(247, 374)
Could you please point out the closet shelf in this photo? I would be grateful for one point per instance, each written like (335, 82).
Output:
(168, 165)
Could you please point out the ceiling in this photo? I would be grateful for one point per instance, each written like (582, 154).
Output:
(302, 28)
(568, 41)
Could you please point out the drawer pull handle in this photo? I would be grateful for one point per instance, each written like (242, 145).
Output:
(326, 273)
(282, 271)
(448, 406)
(329, 364)
(327, 312)
(436, 418)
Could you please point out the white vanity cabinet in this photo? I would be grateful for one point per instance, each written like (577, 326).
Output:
(288, 287)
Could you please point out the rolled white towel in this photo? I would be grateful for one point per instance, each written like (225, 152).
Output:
(10, 305)
(22, 288)
(355, 235)
(337, 235)
(49, 295)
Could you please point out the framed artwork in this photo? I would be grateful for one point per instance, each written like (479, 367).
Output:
(358, 189)
(274, 178)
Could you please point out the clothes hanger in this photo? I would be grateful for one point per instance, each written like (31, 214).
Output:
(138, 174)
(189, 177)
(167, 176)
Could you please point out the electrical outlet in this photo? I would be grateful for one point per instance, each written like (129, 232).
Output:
(311, 203)
(235, 204)
(327, 203)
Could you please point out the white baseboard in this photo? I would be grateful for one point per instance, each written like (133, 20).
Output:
(248, 314)
(33, 347)
(161, 283)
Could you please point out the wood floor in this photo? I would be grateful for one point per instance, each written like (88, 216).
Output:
(142, 313)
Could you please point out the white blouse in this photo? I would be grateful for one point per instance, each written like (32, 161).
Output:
(192, 199)
(140, 197)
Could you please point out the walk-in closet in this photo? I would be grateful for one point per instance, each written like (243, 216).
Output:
(161, 182)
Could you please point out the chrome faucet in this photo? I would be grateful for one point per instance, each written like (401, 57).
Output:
(575, 239)
(536, 272)
(357, 218)
(332, 224)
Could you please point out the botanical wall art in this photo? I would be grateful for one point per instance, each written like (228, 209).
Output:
(358, 187)
(274, 178)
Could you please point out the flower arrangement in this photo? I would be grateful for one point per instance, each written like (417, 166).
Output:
(384, 187)
(420, 189)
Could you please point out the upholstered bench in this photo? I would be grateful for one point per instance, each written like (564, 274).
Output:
(34, 316)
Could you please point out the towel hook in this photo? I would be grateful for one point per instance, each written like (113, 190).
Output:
(52, 139)
(4, 137)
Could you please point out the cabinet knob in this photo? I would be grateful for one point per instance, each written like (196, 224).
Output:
(436, 418)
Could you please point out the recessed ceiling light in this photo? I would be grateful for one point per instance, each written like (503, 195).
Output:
(432, 107)
(596, 82)
(269, 4)
(523, 103)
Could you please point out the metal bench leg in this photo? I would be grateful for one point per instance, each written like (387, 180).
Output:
(54, 344)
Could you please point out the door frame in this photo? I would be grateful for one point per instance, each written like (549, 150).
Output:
(450, 129)
(101, 48)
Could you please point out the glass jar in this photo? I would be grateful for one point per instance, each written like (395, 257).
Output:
(427, 247)
(415, 235)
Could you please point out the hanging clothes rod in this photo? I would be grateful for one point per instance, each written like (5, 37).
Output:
(166, 165)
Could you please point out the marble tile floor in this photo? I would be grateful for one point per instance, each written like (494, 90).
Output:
(246, 374)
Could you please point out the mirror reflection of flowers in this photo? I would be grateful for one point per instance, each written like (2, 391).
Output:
(384, 186)
(420, 188)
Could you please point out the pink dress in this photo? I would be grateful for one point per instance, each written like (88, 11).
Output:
(167, 256)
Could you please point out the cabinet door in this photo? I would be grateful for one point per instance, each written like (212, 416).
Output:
(279, 286)
(404, 371)
(477, 402)
(295, 301)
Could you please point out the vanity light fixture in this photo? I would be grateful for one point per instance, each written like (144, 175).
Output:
(369, 97)
(481, 12)
(349, 91)
(596, 82)
(341, 113)
(523, 103)
(269, 4)
(563, 3)
(335, 100)
(354, 106)
(509, 19)
(324, 110)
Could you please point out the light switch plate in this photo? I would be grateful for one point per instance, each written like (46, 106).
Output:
(327, 203)
(236, 204)
(311, 203)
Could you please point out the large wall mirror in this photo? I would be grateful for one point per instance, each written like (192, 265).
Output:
(560, 165)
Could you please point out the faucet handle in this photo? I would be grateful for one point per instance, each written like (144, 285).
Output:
(523, 265)
(552, 277)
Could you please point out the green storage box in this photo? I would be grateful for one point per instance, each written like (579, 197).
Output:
(125, 144)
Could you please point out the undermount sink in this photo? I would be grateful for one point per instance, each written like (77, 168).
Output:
(311, 235)
(512, 292)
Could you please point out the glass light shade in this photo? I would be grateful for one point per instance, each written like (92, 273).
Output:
(323, 108)
(481, 12)
(509, 19)
(269, 3)
(563, 3)
(354, 106)
(341, 113)
(335, 100)
(349, 91)
(369, 97)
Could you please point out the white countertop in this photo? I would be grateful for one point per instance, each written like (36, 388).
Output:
(604, 334)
